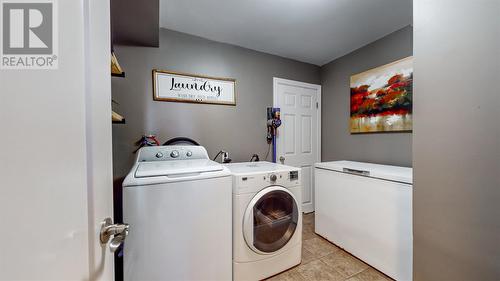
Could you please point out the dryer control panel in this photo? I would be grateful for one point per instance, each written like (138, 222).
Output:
(252, 183)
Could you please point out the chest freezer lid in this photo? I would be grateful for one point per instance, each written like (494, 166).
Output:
(169, 168)
(385, 172)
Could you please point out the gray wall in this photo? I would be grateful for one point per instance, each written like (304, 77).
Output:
(241, 130)
(337, 142)
(456, 141)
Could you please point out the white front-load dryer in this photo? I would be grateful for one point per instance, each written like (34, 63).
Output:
(267, 219)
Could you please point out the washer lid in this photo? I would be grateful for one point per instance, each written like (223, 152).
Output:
(169, 168)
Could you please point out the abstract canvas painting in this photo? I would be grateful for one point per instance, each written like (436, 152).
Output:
(381, 98)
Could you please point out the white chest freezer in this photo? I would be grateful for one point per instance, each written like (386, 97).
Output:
(366, 209)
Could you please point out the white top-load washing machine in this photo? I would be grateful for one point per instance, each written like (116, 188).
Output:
(178, 205)
(267, 219)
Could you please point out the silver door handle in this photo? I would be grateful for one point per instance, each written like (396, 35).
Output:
(282, 159)
(118, 231)
(117, 241)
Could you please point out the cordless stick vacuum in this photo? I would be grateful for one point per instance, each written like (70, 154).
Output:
(273, 122)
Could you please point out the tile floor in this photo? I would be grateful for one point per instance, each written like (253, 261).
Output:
(322, 260)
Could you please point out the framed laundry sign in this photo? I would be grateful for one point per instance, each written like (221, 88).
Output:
(182, 87)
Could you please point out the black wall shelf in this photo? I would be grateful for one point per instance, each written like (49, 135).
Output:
(119, 122)
(118, 75)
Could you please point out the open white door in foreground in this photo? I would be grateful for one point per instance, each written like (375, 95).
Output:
(56, 164)
(298, 139)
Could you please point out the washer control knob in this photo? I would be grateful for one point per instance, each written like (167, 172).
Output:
(159, 155)
(189, 153)
(174, 154)
(273, 177)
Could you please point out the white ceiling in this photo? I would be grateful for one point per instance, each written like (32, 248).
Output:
(314, 31)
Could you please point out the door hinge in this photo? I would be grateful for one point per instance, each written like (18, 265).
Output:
(317, 105)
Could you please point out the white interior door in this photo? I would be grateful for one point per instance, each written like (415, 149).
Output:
(99, 146)
(56, 154)
(298, 139)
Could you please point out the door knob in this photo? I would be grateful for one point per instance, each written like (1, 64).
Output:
(118, 231)
(282, 159)
(117, 241)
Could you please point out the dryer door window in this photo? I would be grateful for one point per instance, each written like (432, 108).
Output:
(275, 218)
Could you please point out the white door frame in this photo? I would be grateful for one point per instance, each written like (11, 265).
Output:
(277, 81)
